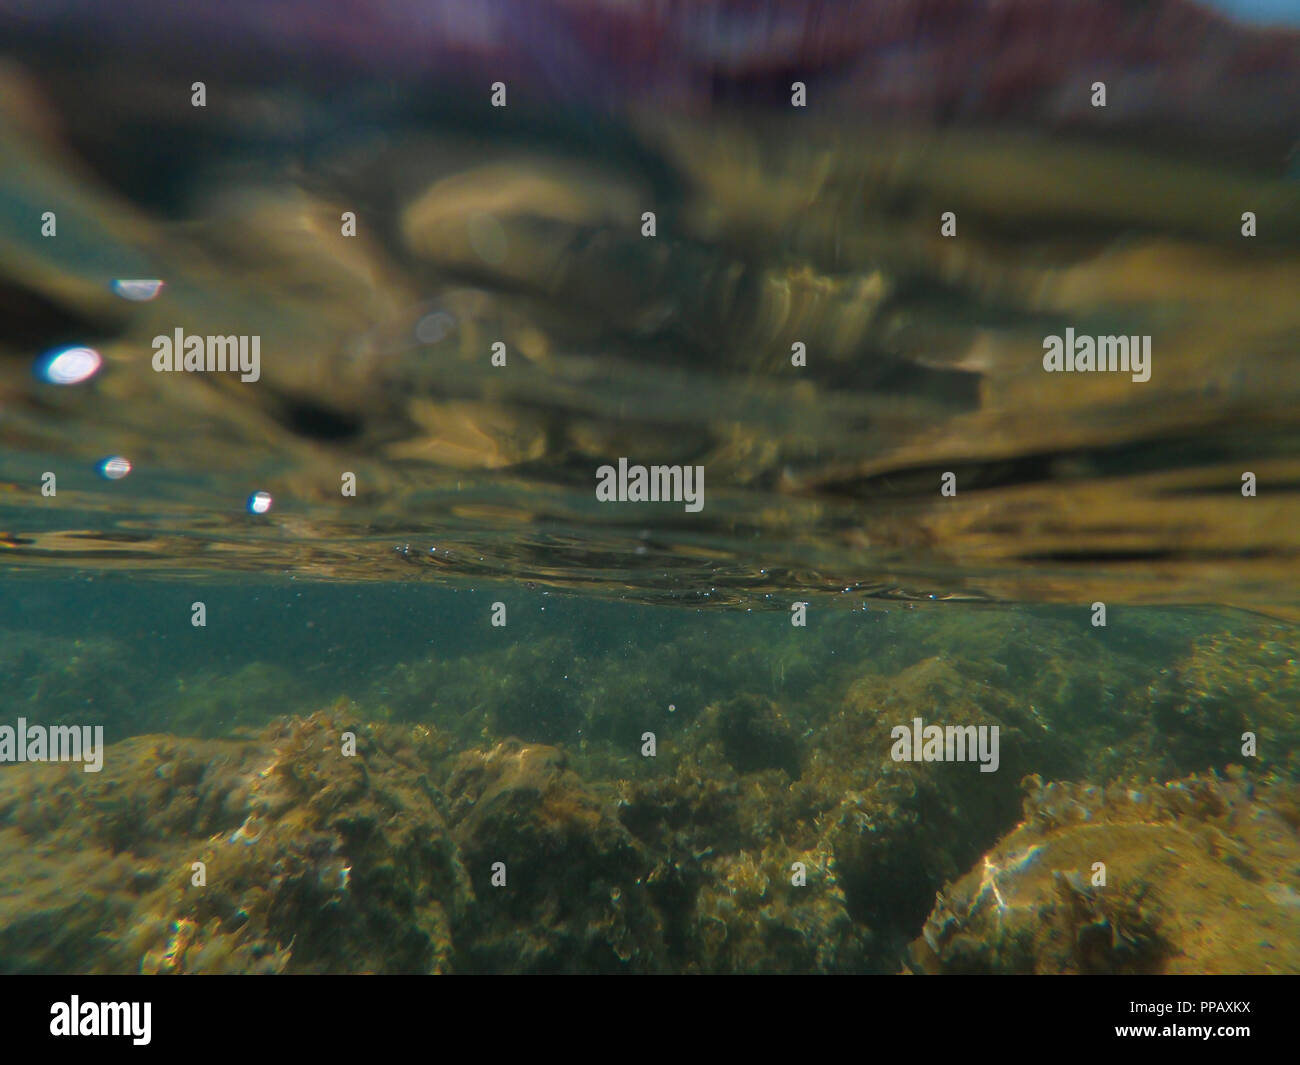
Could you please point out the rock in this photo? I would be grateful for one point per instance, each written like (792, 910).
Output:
(574, 897)
(755, 735)
(1197, 880)
(313, 862)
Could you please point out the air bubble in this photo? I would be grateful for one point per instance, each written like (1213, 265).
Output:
(140, 291)
(114, 468)
(69, 366)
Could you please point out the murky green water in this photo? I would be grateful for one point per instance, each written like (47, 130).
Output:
(437, 706)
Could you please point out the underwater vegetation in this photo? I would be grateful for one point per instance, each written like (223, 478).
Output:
(1205, 883)
(498, 813)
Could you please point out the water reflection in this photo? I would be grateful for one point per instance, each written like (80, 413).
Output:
(839, 315)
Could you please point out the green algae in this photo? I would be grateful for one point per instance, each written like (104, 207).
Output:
(771, 831)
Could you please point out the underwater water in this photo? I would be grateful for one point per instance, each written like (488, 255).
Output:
(532, 492)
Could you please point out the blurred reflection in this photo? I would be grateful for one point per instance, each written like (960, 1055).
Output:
(500, 325)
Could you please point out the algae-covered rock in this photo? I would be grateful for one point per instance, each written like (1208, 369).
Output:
(899, 829)
(90, 679)
(1194, 876)
(755, 734)
(744, 878)
(560, 882)
(776, 828)
(875, 837)
(777, 910)
(1226, 686)
(220, 703)
(312, 860)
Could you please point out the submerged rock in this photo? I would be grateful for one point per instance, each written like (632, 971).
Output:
(1228, 685)
(311, 861)
(560, 883)
(875, 838)
(777, 829)
(755, 735)
(1198, 878)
